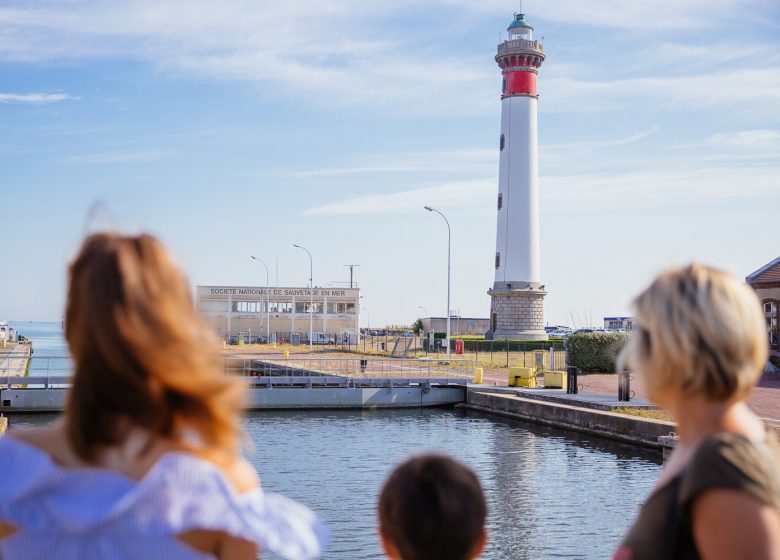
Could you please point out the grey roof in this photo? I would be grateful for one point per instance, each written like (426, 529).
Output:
(760, 271)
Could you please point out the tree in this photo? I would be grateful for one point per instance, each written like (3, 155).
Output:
(417, 326)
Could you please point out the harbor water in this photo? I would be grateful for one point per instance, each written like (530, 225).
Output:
(551, 493)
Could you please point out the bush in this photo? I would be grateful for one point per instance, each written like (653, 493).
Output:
(596, 351)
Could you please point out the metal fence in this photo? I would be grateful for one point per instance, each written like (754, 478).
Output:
(57, 371)
(274, 365)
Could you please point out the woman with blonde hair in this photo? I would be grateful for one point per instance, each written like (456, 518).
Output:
(700, 346)
(146, 461)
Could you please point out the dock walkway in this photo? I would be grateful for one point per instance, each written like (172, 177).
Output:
(15, 359)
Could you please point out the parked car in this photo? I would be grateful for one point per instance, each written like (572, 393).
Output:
(321, 338)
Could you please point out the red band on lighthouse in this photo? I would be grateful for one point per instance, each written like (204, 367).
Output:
(519, 82)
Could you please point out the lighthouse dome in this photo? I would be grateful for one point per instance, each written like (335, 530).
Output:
(519, 23)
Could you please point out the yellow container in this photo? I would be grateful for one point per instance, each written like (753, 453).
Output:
(522, 377)
(478, 375)
(4, 342)
(286, 354)
(555, 379)
(529, 382)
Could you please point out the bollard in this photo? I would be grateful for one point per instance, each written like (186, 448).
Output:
(286, 354)
(572, 373)
(624, 386)
(478, 374)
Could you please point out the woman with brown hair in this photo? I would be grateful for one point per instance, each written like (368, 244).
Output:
(700, 346)
(146, 461)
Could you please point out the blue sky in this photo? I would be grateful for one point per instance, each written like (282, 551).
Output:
(238, 128)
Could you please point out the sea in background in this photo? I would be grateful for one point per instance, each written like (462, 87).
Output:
(48, 337)
(551, 493)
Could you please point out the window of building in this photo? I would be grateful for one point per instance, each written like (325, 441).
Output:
(503, 85)
(280, 307)
(248, 307)
(340, 308)
(213, 306)
(308, 307)
(500, 200)
(502, 142)
(498, 260)
(350, 308)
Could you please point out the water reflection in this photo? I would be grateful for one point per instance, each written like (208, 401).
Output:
(551, 493)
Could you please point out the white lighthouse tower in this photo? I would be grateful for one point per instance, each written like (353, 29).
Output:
(517, 296)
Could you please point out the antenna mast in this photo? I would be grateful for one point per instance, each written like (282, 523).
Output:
(351, 266)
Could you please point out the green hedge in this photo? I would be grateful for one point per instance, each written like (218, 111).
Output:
(471, 345)
(596, 351)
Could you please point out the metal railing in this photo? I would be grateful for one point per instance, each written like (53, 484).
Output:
(520, 44)
(266, 365)
(47, 372)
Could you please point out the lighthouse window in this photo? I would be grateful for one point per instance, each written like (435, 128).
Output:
(502, 142)
(498, 260)
(500, 200)
(503, 86)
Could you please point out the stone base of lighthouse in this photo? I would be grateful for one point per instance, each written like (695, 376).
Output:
(517, 314)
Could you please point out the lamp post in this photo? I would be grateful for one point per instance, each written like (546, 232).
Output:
(449, 245)
(311, 295)
(267, 301)
(425, 316)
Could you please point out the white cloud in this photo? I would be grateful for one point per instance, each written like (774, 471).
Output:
(646, 15)
(459, 194)
(651, 187)
(754, 140)
(327, 51)
(748, 90)
(442, 161)
(35, 98)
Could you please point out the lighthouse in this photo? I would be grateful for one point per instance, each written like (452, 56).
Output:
(517, 295)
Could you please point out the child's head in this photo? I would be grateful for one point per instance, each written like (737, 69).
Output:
(432, 507)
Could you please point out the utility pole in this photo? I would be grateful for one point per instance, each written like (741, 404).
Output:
(351, 266)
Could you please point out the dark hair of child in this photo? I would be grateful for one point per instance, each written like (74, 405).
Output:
(432, 508)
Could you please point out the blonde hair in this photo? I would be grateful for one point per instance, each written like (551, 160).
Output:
(702, 332)
(142, 357)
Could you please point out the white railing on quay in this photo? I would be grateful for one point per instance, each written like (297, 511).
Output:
(358, 367)
(57, 371)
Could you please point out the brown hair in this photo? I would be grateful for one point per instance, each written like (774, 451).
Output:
(142, 357)
(432, 507)
(702, 333)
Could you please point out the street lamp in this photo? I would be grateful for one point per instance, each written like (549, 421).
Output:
(425, 316)
(449, 245)
(267, 301)
(368, 317)
(311, 295)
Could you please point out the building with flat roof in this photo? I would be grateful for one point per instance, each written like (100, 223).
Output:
(619, 323)
(766, 282)
(255, 312)
(458, 325)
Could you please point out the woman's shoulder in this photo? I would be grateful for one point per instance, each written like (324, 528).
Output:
(733, 461)
(183, 491)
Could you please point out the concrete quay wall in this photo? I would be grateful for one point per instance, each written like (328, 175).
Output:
(53, 400)
(621, 427)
